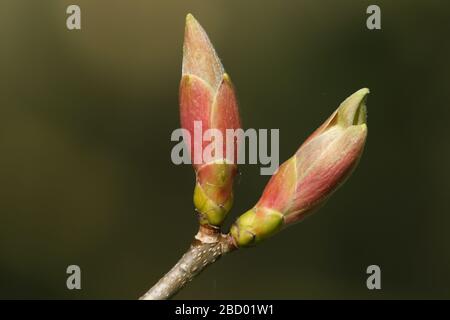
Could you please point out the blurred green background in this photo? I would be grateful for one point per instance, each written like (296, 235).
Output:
(85, 124)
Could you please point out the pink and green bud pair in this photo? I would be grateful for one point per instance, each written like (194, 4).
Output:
(305, 181)
(207, 97)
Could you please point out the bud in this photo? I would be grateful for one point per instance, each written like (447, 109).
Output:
(305, 181)
(207, 97)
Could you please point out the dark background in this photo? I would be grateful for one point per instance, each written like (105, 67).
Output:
(85, 124)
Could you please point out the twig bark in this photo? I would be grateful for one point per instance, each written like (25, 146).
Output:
(209, 245)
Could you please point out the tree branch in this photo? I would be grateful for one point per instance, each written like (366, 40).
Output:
(208, 245)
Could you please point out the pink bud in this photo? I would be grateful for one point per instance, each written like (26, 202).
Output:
(307, 179)
(321, 164)
(207, 97)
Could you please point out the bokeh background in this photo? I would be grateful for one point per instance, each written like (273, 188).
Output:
(85, 124)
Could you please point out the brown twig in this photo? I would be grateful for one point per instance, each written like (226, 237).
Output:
(209, 245)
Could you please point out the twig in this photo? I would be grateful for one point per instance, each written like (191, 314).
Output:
(209, 245)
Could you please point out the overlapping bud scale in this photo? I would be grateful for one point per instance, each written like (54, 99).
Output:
(207, 97)
(306, 180)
